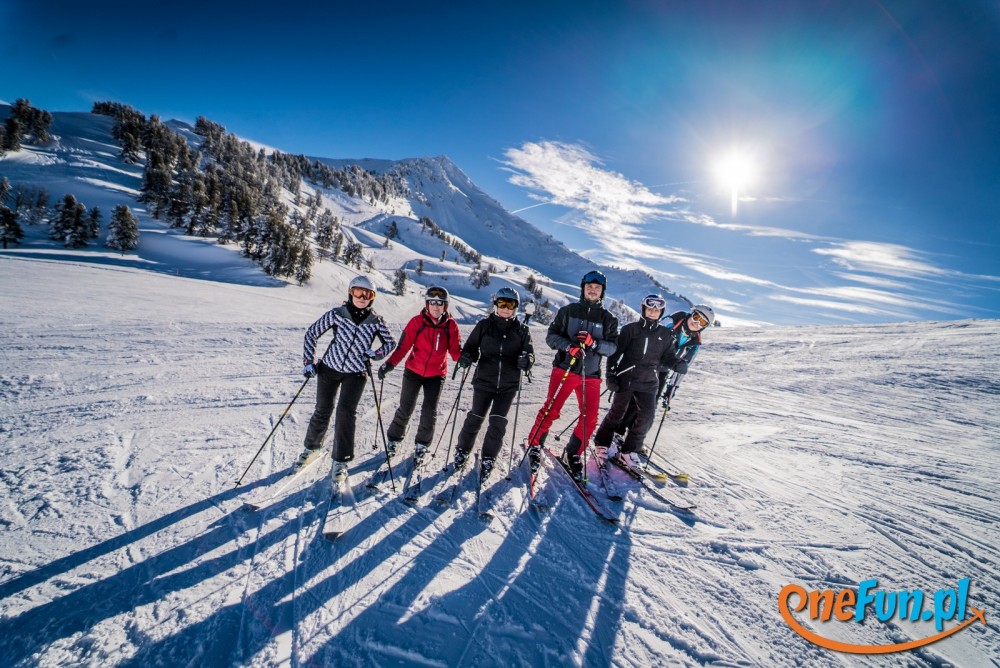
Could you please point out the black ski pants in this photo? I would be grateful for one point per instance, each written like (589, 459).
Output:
(644, 404)
(351, 387)
(413, 383)
(482, 400)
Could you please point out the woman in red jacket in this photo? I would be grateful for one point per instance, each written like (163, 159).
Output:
(428, 338)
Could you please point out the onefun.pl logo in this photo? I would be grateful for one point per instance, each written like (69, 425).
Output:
(852, 606)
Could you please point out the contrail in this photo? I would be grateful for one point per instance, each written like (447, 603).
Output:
(530, 207)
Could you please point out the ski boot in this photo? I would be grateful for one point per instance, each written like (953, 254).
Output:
(305, 457)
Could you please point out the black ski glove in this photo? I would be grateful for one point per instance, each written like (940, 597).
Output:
(525, 361)
(465, 361)
(613, 383)
(384, 370)
(681, 367)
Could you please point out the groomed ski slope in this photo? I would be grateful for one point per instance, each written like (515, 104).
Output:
(132, 401)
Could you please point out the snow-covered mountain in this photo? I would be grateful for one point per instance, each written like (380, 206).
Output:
(83, 159)
(132, 400)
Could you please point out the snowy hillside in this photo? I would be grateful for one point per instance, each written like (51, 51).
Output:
(83, 159)
(133, 400)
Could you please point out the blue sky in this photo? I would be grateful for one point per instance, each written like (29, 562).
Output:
(870, 130)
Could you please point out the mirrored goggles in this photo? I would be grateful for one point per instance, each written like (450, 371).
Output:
(655, 302)
(506, 303)
(700, 318)
(436, 302)
(437, 294)
(594, 277)
(363, 293)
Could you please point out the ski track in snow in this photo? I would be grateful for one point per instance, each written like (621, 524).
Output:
(821, 456)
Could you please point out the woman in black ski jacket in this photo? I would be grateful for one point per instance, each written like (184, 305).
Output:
(644, 348)
(502, 346)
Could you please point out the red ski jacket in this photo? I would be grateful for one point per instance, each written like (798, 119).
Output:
(429, 343)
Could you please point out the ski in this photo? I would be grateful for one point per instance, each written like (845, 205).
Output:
(591, 500)
(449, 495)
(342, 504)
(673, 474)
(642, 478)
(484, 498)
(411, 487)
(533, 479)
(602, 468)
(279, 487)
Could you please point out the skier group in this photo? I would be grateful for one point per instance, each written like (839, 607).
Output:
(639, 359)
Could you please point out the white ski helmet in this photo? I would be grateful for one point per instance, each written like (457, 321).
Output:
(705, 310)
(361, 281)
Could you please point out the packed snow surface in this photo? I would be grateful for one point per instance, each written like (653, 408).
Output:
(132, 400)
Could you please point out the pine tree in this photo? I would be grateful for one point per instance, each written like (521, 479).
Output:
(10, 227)
(93, 225)
(123, 229)
(420, 268)
(13, 130)
(303, 269)
(399, 281)
(79, 233)
(62, 223)
(5, 191)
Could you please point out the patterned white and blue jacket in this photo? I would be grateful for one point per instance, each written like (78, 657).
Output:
(352, 343)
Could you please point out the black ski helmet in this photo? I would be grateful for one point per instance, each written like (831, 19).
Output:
(506, 293)
(594, 276)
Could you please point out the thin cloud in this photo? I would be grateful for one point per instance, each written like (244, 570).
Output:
(569, 175)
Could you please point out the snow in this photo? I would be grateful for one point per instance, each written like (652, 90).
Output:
(133, 400)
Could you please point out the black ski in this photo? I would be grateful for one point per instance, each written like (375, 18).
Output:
(610, 488)
(591, 500)
(449, 495)
(639, 475)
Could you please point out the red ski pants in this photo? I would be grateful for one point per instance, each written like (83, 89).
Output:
(588, 396)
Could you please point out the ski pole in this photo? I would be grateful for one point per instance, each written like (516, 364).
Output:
(378, 414)
(577, 418)
(261, 449)
(670, 390)
(381, 386)
(513, 434)
(451, 439)
(583, 406)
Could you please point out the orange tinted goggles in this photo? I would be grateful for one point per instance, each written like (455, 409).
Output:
(363, 293)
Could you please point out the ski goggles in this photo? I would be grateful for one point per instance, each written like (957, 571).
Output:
(437, 293)
(363, 293)
(435, 302)
(506, 303)
(655, 302)
(699, 318)
(595, 277)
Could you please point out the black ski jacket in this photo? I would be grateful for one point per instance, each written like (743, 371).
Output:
(583, 316)
(645, 348)
(496, 344)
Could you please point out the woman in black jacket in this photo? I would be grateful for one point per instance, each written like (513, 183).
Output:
(502, 346)
(645, 348)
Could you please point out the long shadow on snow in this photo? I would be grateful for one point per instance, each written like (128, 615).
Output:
(536, 611)
(280, 604)
(71, 561)
(145, 582)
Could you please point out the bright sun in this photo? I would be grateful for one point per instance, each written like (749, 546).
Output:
(735, 172)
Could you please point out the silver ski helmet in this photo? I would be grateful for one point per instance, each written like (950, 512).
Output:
(706, 312)
(594, 276)
(362, 282)
(436, 295)
(507, 293)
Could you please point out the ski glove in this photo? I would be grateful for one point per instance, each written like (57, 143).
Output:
(586, 340)
(525, 361)
(384, 370)
(465, 361)
(574, 351)
(681, 367)
(309, 370)
(613, 384)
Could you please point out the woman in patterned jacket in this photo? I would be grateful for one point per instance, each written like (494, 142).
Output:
(342, 367)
